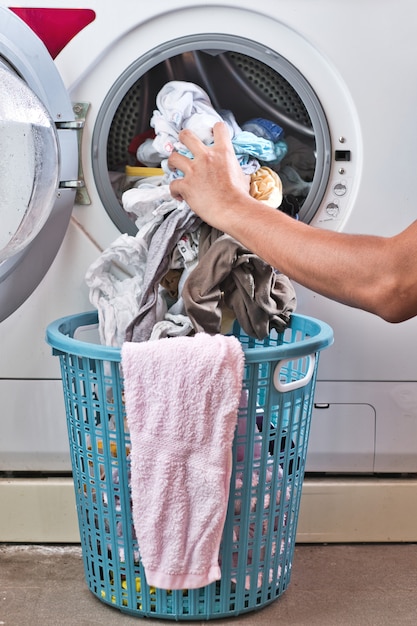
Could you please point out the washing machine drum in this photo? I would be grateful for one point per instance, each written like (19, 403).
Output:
(257, 89)
(235, 82)
(28, 164)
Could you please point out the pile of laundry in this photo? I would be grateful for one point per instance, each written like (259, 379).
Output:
(179, 276)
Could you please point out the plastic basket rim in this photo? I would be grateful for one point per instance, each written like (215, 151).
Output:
(58, 337)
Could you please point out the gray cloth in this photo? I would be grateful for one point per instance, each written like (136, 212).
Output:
(163, 241)
(228, 275)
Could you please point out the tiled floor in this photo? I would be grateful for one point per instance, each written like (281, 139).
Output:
(332, 585)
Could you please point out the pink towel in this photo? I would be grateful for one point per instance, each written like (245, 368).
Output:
(182, 396)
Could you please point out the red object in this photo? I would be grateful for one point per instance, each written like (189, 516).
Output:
(55, 27)
(138, 140)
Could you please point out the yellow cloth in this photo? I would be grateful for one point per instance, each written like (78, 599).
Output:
(266, 186)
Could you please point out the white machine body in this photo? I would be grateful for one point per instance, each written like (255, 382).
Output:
(353, 67)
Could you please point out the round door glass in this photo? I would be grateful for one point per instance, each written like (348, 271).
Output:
(29, 164)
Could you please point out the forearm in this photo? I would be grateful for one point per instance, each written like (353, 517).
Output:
(358, 270)
(377, 274)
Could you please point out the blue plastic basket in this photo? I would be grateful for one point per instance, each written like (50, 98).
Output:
(268, 469)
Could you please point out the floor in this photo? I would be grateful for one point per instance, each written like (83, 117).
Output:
(331, 585)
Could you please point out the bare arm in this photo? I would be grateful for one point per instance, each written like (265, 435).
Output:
(377, 274)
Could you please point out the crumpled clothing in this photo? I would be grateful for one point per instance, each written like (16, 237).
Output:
(266, 186)
(254, 503)
(139, 139)
(290, 205)
(228, 117)
(163, 241)
(182, 104)
(148, 155)
(115, 280)
(185, 255)
(246, 145)
(265, 128)
(247, 162)
(260, 480)
(147, 200)
(229, 275)
(170, 282)
(242, 432)
(271, 500)
(172, 326)
(263, 149)
(292, 182)
(124, 280)
(249, 289)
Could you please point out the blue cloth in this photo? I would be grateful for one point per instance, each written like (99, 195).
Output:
(262, 127)
(246, 143)
(248, 147)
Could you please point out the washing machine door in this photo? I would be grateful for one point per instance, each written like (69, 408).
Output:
(38, 161)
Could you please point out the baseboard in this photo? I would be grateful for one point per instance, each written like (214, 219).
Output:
(332, 510)
(350, 510)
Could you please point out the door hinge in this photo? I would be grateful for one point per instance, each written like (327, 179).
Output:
(80, 110)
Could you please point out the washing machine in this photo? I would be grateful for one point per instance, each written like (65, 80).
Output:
(81, 81)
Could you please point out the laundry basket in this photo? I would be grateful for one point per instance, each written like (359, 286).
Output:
(269, 453)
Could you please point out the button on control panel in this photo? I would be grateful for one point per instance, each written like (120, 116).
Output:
(340, 189)
(333, 210)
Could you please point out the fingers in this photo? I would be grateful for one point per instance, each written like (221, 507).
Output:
(221, 135)
(221, 138)
(201, 153)
(178, 161)
(191, 141)
(197, 147)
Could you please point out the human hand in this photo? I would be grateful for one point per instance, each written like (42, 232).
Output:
(213, 184)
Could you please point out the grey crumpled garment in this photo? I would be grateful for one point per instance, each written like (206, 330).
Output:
(163, 241)
(228, 275)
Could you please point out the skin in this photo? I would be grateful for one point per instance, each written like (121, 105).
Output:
(376, 274)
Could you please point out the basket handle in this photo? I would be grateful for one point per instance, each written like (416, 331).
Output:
(294, 384)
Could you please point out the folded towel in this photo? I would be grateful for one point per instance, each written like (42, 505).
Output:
(182, 396)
